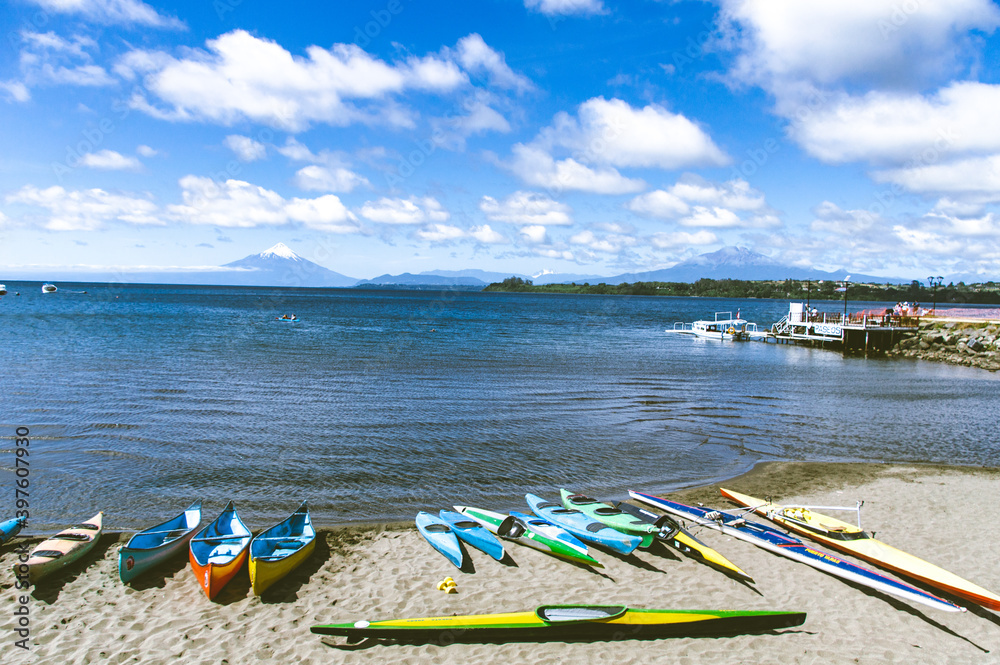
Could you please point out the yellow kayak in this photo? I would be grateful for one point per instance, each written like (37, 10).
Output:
(673, 534)
(848, 538)
(551, 622)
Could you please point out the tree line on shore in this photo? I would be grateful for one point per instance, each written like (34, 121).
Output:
(796, 289)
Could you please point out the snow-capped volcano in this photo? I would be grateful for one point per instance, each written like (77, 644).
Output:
(281, 266)
(280, 251)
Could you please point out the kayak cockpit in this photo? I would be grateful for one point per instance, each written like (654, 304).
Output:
(579, 613)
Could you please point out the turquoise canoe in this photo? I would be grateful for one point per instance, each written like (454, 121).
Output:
(151, 547)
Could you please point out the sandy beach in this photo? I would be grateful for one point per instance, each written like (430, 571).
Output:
(388, 571)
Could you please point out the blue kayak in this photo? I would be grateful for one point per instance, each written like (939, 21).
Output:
(582, 526)
(778, 542)
(473, 533)
(441, 537)
(10, 528)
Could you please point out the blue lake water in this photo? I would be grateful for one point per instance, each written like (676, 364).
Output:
(376, 404)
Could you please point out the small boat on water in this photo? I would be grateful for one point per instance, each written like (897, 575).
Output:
(561, 622)
(62, 549)
(279, 550)
(723, 327)
(853, 540)
(10, 528)
(154, 545)
(49, 288)
(3, 289)
(218, 551)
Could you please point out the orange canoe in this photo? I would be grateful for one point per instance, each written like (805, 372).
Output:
(218, 551)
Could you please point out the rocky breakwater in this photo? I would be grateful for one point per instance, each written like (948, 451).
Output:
(968, 343)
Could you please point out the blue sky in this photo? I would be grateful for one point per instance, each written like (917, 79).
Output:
(580, 136)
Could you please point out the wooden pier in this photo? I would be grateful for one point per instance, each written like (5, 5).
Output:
(866, 333)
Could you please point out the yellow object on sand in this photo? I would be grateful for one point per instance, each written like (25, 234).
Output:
(448, 585)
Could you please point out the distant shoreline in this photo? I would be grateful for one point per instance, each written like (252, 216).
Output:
(987, 293)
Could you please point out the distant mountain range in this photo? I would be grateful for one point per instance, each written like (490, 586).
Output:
(280, 266)
(741, 263)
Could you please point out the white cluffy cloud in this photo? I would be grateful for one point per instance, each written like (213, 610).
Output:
(784, 43)
(883, 127)
(245, 148)
(48, 59)
(118, 12)
(607, 135)
(566, 7)
(328, 171)
(109, 160)
(695, 201)
(413, 210)
(86, 209)
(528, 208)
(239, 76)
(477, 58)
(236, 203)
(879, 81)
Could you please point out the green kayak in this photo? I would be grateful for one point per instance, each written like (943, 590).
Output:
(565, 622)
(611, 516)
(522, 532)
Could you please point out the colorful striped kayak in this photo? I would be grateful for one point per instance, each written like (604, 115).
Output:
(610, 516)
(683, 541)
(218, 551)
(554, 622)
(519, 531)
(279, 550)
(62, 549)
(775, 541)
(583, 526)
(473, 533)
(151, 547)
(10, 528)
(441, 536)
(852, 540)
(550, 530)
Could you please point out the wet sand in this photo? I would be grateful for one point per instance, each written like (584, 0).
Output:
(381, 571)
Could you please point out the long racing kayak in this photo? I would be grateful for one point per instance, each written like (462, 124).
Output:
(682, 540)
(517, 530)
(775, 541)
(553, 622)
(668, 531)
(853, 540)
